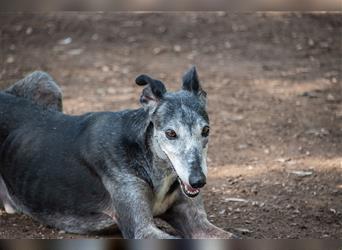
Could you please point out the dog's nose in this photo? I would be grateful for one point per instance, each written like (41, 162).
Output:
(197, 180)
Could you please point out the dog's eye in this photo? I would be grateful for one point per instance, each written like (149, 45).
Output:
(171, 134)
(205, 131)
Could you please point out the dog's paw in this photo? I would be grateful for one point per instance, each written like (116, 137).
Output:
(214, 233)
(9, 209)
(225, 235)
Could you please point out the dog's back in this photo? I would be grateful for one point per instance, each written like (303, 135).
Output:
(41, 161)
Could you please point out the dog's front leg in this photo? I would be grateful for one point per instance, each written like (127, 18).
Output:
(132, 208)
(188, 216)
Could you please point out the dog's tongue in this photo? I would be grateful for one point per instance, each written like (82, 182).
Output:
(190, 188)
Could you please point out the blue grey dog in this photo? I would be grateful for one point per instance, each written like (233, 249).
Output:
(87, 173)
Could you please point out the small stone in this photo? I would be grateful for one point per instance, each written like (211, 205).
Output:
(235, 200)
(299, 47)
(157, 51)
(105, 68)
(65, 41)
(296, 211)
(236, 117)
(222, 211)
(301, 173)
(29, 31)
(243, 230)
(227, 45)
(330, 98)
(10, 59)
(242, 146)
(332, 210)
(177, 48)
(221, 13)
(311, 42)
(283, 160)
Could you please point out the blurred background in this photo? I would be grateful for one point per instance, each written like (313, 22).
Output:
(275, 102)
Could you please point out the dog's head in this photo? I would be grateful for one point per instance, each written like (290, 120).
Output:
(180, 127)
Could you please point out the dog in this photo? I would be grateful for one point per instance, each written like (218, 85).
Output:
(87, 173)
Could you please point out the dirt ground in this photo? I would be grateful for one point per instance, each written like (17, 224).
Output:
(275, 103)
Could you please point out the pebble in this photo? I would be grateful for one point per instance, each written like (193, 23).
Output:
(330, 98)
(301, 173)
(157, 51)
(242, 146)
(105, 68)
(10, 60)
(29, 31)
(227, 45)
(65, 41)
(235, 200)
(311, 42)
(222, 211)
(243, 230)
(75, 52)
(332, 210)
(177, 48)
(299, 47)
(283, 160)
(334, 80)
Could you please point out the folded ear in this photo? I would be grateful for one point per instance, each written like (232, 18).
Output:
(192, 84)
(152, 93)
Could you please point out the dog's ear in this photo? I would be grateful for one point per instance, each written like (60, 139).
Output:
(192, 84)
(152, 93)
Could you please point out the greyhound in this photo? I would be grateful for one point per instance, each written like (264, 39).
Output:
(87, 173)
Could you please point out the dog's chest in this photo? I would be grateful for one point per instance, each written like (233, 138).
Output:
(165, 196)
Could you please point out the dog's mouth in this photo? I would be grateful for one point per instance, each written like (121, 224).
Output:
(187, 190)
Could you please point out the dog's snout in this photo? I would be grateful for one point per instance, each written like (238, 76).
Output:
(197, 180)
